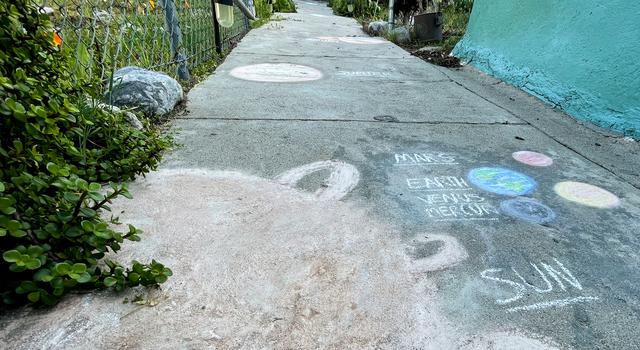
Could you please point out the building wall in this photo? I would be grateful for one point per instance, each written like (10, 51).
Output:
(582, 56)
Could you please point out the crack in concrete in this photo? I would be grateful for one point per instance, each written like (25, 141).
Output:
(353, 121)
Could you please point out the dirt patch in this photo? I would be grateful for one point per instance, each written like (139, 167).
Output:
(440, 58)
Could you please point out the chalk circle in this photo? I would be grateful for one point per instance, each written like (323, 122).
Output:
(527, 209)
(357, 40)
(276, 73)
(344, 178)
(586, 194)
(451, 253)
(532, 158)
(502, 181)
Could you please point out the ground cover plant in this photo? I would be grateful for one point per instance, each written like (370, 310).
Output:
(57, 151)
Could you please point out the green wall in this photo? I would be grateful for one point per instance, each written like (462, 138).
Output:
(579, 55)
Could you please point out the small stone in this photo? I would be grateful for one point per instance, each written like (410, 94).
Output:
(401, 35)
(429, 49)
(46, 10)
(131, 118)
(377, 28)
(102, 16)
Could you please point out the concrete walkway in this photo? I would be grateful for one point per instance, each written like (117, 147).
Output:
(335, 192)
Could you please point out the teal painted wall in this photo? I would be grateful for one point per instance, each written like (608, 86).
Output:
(582, 56)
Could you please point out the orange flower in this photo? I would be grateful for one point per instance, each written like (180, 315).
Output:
(57, 40)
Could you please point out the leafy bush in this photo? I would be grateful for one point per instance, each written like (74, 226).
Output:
(56, 152)
(284, 6)
(368, 10)
(263, 13)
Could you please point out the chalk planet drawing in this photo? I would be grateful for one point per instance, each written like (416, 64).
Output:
(276, 73)
(532, 158)
(351, 40)
(527, 209)
(502, 181)
(586, 194)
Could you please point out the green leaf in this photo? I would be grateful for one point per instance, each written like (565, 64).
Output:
(11, 256)
(83, 278)
(110, 281)
(34, 297)
(87, 226)
(79, 268)
(62, 269)
(43, 275)
(33, 264)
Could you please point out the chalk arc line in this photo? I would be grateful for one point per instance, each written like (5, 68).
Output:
(343, 179)
(451, 253)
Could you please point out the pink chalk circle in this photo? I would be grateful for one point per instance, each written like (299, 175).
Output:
(357, 40)
(276, 73)
(532, 158)
(586, 194)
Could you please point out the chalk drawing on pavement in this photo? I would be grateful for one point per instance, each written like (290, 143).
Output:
(528, 210)
(532, 158)
(276, 73)
(586, 194)
(502, 181)
(344, 178)
(365, 74)
(446, 206)
(357, 40)
(450, 253)
(417, 159)
(566, 285)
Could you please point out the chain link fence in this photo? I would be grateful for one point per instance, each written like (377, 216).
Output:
(162, 35)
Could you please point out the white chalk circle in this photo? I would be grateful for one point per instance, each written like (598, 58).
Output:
(449, 254)
(276, 73)
(344, 178)
(357, 40)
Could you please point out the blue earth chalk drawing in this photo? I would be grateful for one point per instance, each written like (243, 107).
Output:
(502, 181)
(528, 210)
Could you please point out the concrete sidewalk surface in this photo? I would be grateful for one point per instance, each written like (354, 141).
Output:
(335, 192)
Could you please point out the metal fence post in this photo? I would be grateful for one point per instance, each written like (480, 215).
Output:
(175, 39)
(216, 28)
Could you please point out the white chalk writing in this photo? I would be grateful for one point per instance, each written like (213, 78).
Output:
(438, 183)
(548, 274)
(363, 74)
(423, 159)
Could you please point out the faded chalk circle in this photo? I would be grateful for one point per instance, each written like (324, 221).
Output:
(276, 73)
(502, 181)
(529, 210)
(586, 194)
(344, 178)
(532, 158)
(450, 254)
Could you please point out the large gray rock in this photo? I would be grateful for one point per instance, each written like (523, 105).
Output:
(152, 92)
(377, 28)
(400, 35)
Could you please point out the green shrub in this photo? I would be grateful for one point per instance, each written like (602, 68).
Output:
(57, 150)
(284, 6)
(368, 10)
(262, 13)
